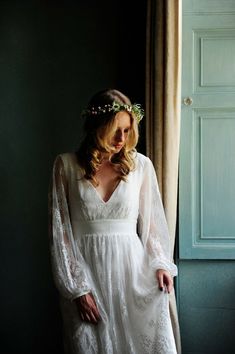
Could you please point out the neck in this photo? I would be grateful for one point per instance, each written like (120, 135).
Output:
(106, 156)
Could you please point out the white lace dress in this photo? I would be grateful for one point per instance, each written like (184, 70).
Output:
(111, 249)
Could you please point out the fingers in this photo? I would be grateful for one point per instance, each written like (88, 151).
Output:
(165, 281)
(88, 309)
(94, 318)
(170, 286)
(160, 281)
(94, 308)
(88, 317)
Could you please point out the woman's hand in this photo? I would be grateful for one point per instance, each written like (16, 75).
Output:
(87, 308)
(165, 280)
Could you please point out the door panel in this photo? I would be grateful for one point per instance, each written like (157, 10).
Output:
(208, 6)
(216, 46)
(207, 229)
(207, 307)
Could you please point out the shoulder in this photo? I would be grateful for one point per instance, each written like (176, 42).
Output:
(144, 166)
(142, 161)
(67, 158)
(67, 161)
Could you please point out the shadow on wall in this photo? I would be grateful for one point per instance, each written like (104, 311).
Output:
(54, 56)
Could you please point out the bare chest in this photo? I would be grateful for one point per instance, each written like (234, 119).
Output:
(108, 180)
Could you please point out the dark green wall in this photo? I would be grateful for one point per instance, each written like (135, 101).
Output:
(53, 56)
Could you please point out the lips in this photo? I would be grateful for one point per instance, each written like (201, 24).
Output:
(118, 146)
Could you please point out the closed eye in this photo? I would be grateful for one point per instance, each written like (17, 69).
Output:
(120, 131)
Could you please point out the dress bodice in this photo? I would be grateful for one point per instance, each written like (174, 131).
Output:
(87, 204)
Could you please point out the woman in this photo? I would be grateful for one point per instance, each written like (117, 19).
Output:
(110, 244)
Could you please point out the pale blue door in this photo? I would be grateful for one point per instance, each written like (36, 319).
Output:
(206, 286)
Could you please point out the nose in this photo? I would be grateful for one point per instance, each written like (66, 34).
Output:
(120, 137)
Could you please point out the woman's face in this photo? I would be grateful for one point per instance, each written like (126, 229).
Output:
(122, 130)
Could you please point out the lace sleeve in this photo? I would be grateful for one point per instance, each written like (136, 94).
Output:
(152, 223)
(68, 265)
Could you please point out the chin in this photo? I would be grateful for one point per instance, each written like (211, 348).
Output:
(117, 149)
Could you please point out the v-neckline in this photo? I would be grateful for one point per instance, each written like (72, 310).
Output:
(98, 194)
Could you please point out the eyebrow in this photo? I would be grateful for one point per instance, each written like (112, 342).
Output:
(129, 126)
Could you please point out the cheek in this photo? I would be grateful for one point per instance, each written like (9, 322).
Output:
(114, 137)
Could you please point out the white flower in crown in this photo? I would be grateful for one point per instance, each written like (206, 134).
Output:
(135, 110)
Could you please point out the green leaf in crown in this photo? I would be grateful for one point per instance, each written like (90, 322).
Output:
(135, 109)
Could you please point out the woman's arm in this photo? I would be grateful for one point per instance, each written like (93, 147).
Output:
(68, 265)
(153, 228)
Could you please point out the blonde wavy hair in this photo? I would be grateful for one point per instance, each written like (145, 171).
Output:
(99, 130)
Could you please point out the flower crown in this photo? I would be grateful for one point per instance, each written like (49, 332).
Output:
(135, 109)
